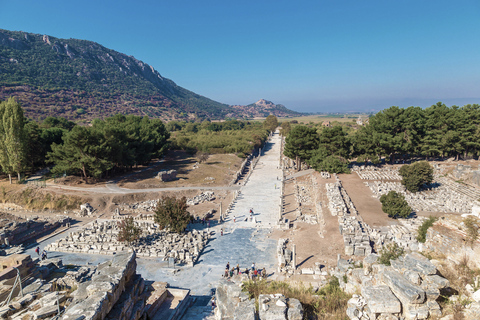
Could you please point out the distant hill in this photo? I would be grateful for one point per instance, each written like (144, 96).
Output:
(82, 80)
(263, 108)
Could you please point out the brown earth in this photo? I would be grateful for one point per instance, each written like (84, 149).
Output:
(368, 207)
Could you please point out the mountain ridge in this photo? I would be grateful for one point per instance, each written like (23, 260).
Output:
(81, 80)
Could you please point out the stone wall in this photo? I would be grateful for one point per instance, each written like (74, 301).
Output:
(16, 233)
(94, 299)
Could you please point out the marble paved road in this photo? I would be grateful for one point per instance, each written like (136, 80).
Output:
(243, 242)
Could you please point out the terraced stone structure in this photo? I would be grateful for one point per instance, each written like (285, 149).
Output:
(101, 238)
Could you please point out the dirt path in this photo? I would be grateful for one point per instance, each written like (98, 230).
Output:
(113, 188)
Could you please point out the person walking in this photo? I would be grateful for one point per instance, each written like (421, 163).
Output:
(221, 232)
(37, 250)
(234, 219)
(44, 255)
(213, 302)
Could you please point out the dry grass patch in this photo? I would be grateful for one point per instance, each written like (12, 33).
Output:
(217, 170)
(328, 303)
(35, 198)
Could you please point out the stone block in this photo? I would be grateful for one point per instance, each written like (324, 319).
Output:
(45, 312)
(403, 289)
(307, 271)
(437, 281)
(359, 251)
(476, 296)
(349, 250)
(415, 261)
(380, 299)
(295, 309)
(413, 277)
(269, 309)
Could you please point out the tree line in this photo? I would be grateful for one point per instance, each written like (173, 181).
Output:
(115, 144)
(392, 134)
(106, 146)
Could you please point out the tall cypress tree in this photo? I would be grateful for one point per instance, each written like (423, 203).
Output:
(13, 138)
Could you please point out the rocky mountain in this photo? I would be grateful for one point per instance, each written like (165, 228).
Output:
(82, 80)
(263, 108)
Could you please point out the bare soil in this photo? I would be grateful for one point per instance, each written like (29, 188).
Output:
(314, 242)
(218, 170)
(368, 206)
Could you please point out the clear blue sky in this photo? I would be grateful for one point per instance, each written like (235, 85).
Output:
(312, 56)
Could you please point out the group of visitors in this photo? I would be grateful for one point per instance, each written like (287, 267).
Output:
(44, 253)
(252, 273)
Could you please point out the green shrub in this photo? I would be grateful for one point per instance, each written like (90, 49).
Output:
(394, 204)
(390, 252)
(416, 175)
(422, 230)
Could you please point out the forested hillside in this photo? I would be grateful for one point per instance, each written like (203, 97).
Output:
(79, 79)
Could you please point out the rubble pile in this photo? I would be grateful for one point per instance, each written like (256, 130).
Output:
(374, 173)
(408, 289)
(18, 232)
(233, 303)
(325, 175)
(444, 198)
(354, 231)
(286, 263)
(339, 202)
(167, 175)
(101, 238)
(144, 206)
(405, 234)
(355, 236)
(201, 198)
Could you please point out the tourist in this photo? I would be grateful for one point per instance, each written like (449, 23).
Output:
(264, 273)
(226, 274)
(37, 250)
(221, 232)
(232, 272)
(247, 273)
(253, 266)
(238, 269)
(44, 255)
(234, 219)
(213, 302)
(255, 274)
(228, 265)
